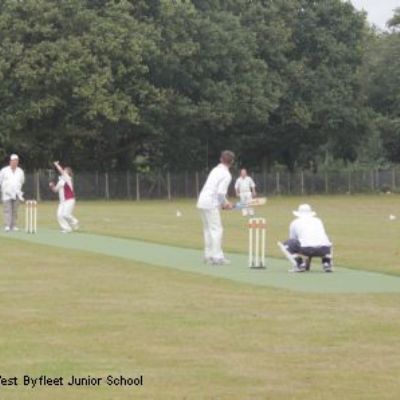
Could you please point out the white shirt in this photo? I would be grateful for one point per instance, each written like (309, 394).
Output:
(214, 191)
(244, 185)
(11, 183)
(309, 231)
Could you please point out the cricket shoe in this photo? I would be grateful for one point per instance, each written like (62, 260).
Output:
(220, 261)
(301, 265)
(327, 267)
(299, 268)
(15, 229)
(7, 229)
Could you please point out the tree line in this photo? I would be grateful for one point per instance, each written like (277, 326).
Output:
(166, 84)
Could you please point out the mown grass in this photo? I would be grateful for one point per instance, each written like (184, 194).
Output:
(359, 226)
(192, 337)
(196, 337)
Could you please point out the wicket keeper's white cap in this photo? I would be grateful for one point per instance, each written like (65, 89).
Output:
(304, 210)
(14, 157)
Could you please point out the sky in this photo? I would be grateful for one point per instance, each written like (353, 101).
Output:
(379, 11)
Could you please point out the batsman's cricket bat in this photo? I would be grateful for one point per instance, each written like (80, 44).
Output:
(289, 256)
(259, 201)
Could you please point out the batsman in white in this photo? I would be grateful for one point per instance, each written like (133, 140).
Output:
(65, 190)
(12, 179)
(246, 191)
(308, 238)
(211, 200)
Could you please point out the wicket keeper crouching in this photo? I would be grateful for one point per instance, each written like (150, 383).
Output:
(308, 239)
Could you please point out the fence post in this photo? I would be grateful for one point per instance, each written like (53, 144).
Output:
(137, 187)
(160, 181)
(349, 182)
(394, 178)
(107, 187)
(196, 178)
(265, 179)
(302, 181)
(278, 184)
(37, 185)
(97, 184)
(169, 185)
(186, 184)
(372, 180)
(378, 179)
(326, 182)
(128, 184)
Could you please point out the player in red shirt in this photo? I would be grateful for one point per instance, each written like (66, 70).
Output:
(65, 190)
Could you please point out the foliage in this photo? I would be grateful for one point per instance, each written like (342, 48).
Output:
(382, 81)
(107, 84)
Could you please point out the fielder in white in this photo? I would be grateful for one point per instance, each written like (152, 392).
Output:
(246, 191)
(211, 199)
(12, 178)
(65, 190)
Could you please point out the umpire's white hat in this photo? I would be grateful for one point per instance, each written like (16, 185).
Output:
(304, 210)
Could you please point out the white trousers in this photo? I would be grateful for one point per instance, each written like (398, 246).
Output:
(246, 198)
(64, 215)
(212, 230)
(11, 213)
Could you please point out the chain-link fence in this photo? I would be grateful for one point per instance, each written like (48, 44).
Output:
(137, 186)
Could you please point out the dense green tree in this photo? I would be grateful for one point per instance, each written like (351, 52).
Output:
(112, 84)
(73, 78)
(394, 22)
(382, 87)
(320, 111)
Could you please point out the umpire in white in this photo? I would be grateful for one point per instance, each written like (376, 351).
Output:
(211, 199)
(12, 178)
(307, 237)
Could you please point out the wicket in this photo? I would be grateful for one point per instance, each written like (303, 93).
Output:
(257, 230)
(31, 216)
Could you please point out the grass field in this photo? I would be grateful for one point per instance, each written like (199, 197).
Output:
(359, 226)
(197, 337)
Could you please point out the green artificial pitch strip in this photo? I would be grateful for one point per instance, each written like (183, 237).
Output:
(343, 280)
